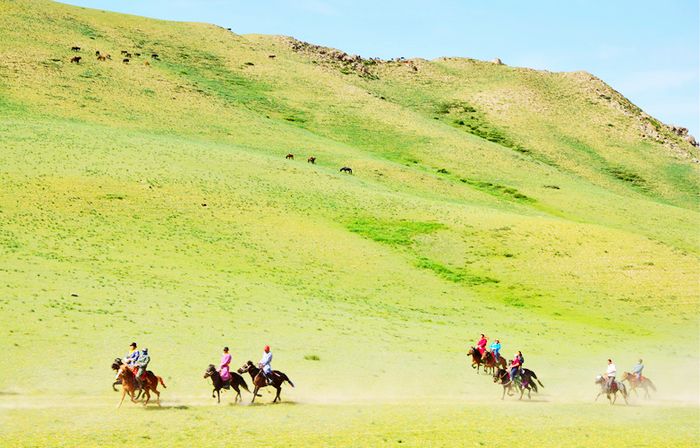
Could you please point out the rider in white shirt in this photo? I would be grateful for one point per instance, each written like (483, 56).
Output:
(265, 364)
(610, 373)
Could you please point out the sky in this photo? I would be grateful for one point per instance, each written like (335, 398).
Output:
(647, 50)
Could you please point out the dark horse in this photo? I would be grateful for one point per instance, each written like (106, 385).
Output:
(488, 361)
(278, 378)
(346, 169)
(236, 381)
(525, 380)
(289, 156)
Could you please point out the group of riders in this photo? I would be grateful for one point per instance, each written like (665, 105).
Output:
(515, 367)
(138, 359)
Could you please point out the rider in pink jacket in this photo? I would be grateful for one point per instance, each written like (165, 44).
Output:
(224, 368)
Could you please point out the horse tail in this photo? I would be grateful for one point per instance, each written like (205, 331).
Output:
(242, 383)
(651, 384)
(160, 380)
(286, 378)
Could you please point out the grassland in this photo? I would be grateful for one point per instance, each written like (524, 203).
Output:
(153, 203)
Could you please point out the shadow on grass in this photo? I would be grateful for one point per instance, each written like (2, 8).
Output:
(180, 407)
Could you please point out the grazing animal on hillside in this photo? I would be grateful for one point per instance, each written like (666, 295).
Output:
(75, 48)
(259, 381)
(146, 63)
(311, 160)
(346, 169)
(124, 52)
(289, 156)
(97, 53)
(272, 56)
(489, 363)
(128, 55)
(634, 383)
(101, 57)
(75, 59)
(154, 56)
(137, 54)
(125, 60)
(236, 382)
(615, 387)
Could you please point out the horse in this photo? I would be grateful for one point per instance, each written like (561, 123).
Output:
(101, 57)
(501, 377)
(278, 378)
(289, 156)
(235, 381)
(116, 365)
(645, 383)
(346, 169)
(489, 362)
(75, 48)
(523, 381)
(129, 385)
(614, 388)
(125, 60)
(311, 160)
(75, 59)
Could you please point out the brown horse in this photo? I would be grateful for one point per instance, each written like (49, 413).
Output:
(614, 388)
(289, 156)
(645, 383)
(488, 361)
(311, 160)
(75, 59)
(259, 381)
(129, 385)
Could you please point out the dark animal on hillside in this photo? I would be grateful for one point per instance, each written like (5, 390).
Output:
(137, 54)
(634, 383)
(346, 169)
(488, 362)
(75, 59)
(128, 55)
(236, 381)
(259, 381)
(124, 52)
(289, 156)
(97, 53)
(101, 57)
(125, 60)
(311, 160)
(526, 380)
(155, 56)
(75, 48)
(272, 56)
(615, 387)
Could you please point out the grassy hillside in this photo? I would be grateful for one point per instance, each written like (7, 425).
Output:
(153, 202)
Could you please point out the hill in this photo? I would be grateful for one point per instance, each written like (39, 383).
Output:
(152, 201)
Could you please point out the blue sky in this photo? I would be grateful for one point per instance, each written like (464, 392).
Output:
(647, 50)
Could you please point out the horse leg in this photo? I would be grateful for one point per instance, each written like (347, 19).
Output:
(255, 393)
(598, 396)
(277, 397)
(122, 400)
(504, 393)
(147, 394)
(157, 396)
(218, 396)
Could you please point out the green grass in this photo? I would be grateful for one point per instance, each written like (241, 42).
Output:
(154, 203)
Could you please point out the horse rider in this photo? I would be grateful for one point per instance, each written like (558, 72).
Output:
(610, 374)
(265, 364)
(515, 367)
(521, 358)
(142, 365)
(495, 350)
(224, 370)
(637, 370)
(132, 356)
(481, 345)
